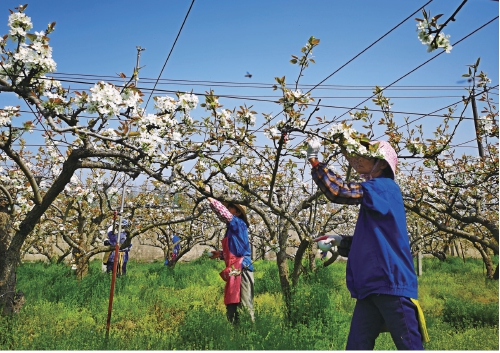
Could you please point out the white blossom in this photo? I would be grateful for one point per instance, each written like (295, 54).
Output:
(131, 99)
(176, 136)
(344, 136)
(188, 101)
(105, 100)
(165, 105)
(19, 23)
(442, 41)
(7, 114)
(272, 133)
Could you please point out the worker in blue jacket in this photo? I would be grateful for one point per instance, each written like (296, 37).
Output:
(123, 253)
(176, 241)
(237, 255)
(380, 272)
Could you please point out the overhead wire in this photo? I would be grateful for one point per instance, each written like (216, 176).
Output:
(418, 67)
(446, 107)
(170, 53)
(359, 54)
(424, 63)
(235, 84)
(316, 86)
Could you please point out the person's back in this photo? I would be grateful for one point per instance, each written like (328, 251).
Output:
(112, 240)
(380, 258)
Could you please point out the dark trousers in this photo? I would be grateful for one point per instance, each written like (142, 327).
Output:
(120, 271)
(121, 268)
(399, 315)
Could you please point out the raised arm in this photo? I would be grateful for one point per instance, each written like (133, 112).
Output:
(220, 210)
(330, 183)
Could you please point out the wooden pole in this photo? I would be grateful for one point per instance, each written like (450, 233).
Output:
(419, 254)
(115, 263)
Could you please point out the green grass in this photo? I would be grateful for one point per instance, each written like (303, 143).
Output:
(159, 308)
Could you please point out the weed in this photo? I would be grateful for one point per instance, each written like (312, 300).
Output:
(160, 308)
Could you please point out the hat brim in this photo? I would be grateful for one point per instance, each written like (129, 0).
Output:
(243, 212)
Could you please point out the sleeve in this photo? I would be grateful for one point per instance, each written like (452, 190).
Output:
(238, 240)
(221, 211)
(379, 198)
(345, 245)
(334, 188)
(112, 237)
(123, 238)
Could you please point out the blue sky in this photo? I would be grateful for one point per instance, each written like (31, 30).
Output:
(223, 39)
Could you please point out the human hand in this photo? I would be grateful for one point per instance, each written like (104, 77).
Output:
(214, 254)
(313, 146)
(333, 240)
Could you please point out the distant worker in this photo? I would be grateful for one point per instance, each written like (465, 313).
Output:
(123, 253)
(176, 241)
(238, 274)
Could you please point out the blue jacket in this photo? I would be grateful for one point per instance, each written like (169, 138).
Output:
(380, 258)
(237, 234)
(177, 246)
(112, 240)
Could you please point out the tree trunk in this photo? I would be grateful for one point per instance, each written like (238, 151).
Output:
(261, 251)
(281, 259)
(297, 263)
(82, 267)
(312, 259)
(9, 299)
(8, 295)
(11, 244)
(488, 263)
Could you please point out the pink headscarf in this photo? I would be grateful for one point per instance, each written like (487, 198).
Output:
(389, 154)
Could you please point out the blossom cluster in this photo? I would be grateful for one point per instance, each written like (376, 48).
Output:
(19, 23)
(23, 201)
(224, 118)
(158, 130)
(168, 105)
(488, 125)
(272, 133)
(346, 137)
(165, 105)
(35, 57)
(426, 37)
(104, 100)
(291, 96)
(246, 117)
(7, 114)
(275, 132)
(187, 102)
(416, 147)
(155, 132)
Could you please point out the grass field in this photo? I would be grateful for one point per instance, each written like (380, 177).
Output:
(158, 308)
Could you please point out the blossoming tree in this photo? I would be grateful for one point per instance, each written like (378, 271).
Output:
(119, 136)
(221, 151)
